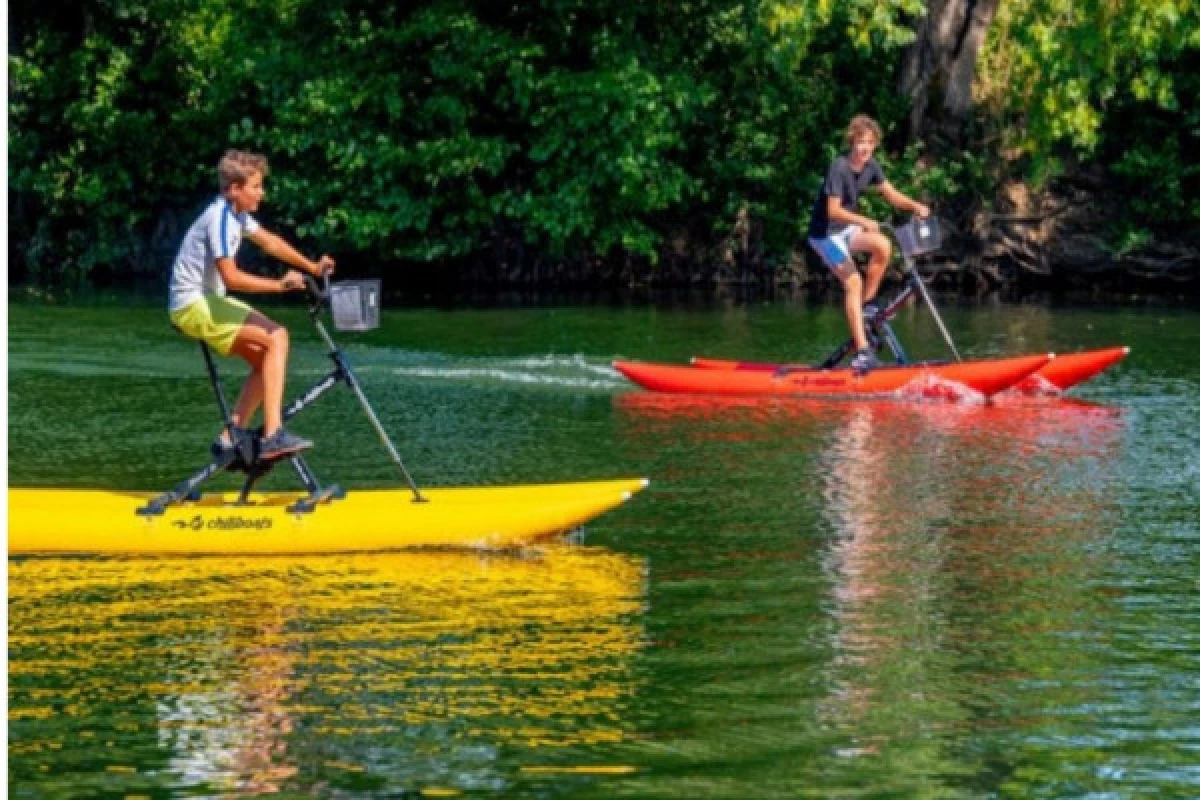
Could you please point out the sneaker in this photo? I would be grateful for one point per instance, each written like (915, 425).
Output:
(281, 443)
(220, 447)
(863, 361)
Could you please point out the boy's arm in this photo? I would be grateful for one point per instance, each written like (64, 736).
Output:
(901, 201)
(240, 281)
(277, 247)
(847, 217)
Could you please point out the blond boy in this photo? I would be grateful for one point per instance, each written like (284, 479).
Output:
(206, 266)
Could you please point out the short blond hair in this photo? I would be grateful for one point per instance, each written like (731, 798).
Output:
(236, 167)
(862, 124)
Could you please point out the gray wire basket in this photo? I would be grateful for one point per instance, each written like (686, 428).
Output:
(919, 237)
(355, 305)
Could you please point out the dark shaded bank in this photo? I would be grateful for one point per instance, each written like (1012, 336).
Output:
(1012, 264)
(697, 291)
(1064, 240)
(677, 281)
(1054, 249)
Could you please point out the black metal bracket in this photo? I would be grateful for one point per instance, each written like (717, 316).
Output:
(879, 328)
(243, 455)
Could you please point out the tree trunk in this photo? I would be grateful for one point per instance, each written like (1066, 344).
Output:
(939, 67)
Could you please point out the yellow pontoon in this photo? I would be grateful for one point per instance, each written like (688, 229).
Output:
(91, 521)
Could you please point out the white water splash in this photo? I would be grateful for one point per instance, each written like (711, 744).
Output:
(549, 371)
(1032, 386)
(930, 386)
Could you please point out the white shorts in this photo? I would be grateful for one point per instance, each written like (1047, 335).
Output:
(835, 250)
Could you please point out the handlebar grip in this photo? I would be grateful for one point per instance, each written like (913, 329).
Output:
(314, 289)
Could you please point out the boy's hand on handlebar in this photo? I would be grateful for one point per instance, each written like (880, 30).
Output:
(325, 267)
(921, 210)
(292, 281)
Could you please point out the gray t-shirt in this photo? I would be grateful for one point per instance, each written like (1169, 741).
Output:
(215, 234)
(846, 184)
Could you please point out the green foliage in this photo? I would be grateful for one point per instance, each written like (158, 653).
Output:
(1152, 148)
(418, 133)
(1111, 80)
(412, 134)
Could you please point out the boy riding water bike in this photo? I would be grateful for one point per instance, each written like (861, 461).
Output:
(206, 266)
(836, 230)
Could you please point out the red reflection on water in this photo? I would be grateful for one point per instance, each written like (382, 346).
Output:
(955, 531)
(1010, 412)
(1041, 420)
(949, 530)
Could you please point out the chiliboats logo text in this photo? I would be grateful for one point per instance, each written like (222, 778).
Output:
(224, 523)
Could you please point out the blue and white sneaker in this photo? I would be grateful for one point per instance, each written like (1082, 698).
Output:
(864, 361)
(281, 443)
(222, 446)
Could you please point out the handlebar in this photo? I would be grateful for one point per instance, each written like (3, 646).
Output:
(318, 293)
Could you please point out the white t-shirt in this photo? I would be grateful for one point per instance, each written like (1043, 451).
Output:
(215, 234)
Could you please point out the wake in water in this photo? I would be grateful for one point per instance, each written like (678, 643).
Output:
(545, 370)
(550, 371)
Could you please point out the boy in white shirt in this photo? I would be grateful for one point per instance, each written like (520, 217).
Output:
(203, 270)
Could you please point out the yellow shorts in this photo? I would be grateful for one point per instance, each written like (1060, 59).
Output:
(215, 320)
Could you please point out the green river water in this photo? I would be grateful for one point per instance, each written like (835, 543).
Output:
(813, 598)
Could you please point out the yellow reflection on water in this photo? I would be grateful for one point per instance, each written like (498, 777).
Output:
(244, 673)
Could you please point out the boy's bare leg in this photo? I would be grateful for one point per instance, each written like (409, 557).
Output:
(852, 284)
(274, 376)
(875, 270)
(877, 246)
(249, 400)
(264, 345)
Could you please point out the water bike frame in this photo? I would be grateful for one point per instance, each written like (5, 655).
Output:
(244, 455)
(915, 238)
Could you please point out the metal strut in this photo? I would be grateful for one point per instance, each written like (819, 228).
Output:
(244, 456)
(351, 380)
(880, 329)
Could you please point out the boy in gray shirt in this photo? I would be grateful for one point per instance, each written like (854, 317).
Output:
(837, 230)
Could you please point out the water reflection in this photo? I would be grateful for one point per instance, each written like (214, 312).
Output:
(919, 570)
(960, 551)
(251, 676)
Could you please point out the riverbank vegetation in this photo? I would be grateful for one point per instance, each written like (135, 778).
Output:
(566, 141)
